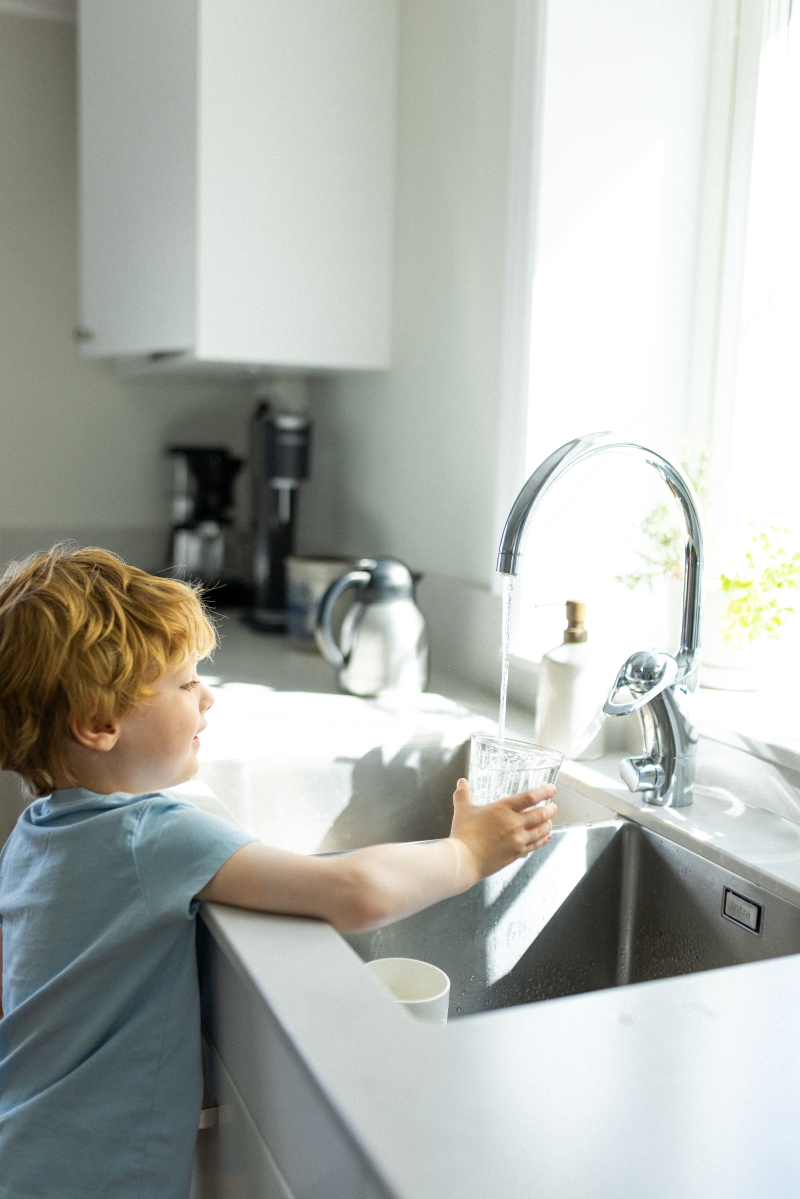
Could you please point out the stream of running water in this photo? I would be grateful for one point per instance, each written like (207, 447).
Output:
(508, 590)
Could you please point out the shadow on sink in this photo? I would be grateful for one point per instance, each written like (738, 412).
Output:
(408, 798)
(602, 905)
(319, 778)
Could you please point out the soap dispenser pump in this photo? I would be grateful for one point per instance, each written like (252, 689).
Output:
(569, 715)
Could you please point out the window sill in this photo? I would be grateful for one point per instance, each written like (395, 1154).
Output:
(762, 723)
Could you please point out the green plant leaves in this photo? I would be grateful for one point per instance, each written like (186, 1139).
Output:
(760, 589)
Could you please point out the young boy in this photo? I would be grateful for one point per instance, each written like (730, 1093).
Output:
(100, 881)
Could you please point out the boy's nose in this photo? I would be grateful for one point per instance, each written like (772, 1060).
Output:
(207, 698)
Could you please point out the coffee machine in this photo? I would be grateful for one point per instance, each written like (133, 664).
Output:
(279, 464)
(202, 499)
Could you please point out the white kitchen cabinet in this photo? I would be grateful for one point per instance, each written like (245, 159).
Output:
(232, 1160)
(237, 161)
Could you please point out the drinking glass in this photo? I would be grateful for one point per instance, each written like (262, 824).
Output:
(500, 768)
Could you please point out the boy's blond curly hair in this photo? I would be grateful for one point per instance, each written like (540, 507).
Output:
(83, 634)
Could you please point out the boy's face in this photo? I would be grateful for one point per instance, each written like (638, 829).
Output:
(157, 744)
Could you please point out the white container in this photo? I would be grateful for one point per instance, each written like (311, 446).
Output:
(572, 689)
(422, 989)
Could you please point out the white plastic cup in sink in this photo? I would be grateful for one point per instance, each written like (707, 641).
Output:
(422, 989)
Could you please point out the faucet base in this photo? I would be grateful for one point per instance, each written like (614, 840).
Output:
(669, 800)
(642, 774)
(665, 784)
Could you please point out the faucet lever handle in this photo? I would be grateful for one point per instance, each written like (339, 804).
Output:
(646, 674)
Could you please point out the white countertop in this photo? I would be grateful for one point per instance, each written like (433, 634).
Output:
(682, 1088)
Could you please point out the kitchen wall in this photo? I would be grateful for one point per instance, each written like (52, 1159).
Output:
(81, 452)
(405, 462)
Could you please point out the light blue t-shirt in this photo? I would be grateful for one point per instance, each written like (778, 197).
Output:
(100, 1073)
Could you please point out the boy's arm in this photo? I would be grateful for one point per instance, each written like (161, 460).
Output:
(370, 887)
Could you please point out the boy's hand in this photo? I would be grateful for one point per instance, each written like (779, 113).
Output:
(498, 833)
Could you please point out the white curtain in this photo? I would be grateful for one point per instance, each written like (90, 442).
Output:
(762, 472)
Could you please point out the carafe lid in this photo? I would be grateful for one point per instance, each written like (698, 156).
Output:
(389, 580)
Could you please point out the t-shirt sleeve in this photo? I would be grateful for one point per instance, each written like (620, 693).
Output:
(178, 849)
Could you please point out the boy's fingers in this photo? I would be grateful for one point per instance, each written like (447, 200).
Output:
(542, 832)
(539, 844)
(461, 793)
(527, 799)
(538, 816)
(543, 835)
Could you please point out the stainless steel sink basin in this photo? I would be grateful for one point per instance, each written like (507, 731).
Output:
(602, 905)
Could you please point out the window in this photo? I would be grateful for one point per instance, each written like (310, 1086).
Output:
(662, 289)
(758, 421)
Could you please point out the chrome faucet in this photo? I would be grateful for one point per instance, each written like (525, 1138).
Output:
(661, 686)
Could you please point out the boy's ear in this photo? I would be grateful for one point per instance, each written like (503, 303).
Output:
(94, 734)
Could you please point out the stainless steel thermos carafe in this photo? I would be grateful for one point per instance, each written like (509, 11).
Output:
(384, 643)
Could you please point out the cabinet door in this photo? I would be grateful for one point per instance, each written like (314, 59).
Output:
(237, 179)
(232, 1161)
(138, 171)
(296, 162)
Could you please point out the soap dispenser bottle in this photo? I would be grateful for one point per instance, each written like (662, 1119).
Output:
(569, 714)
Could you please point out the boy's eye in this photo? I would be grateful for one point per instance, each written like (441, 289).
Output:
(190, 686)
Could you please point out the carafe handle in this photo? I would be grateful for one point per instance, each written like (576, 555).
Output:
(322, 632)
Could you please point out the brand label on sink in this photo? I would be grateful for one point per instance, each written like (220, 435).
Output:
(742, 911)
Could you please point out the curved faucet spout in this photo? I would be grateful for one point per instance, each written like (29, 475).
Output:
(569, 455)
(661, 686)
